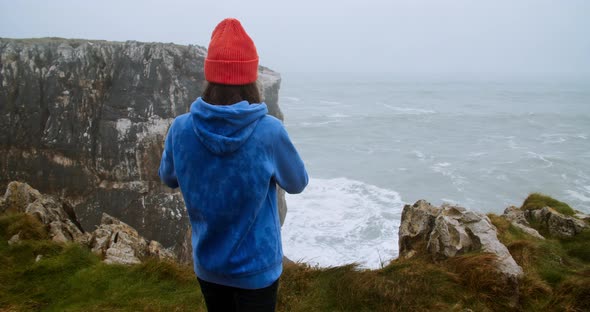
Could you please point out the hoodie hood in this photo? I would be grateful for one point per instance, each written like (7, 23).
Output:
(224, 128)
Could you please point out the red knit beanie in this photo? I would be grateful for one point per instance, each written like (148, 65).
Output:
(231, 58)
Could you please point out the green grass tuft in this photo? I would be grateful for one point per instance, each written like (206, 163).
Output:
(539, 201)
(27, 226)
(578, 246)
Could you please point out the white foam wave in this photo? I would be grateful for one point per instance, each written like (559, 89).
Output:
(578, 196)
(447, 170)
(557, 138)
(495, 138)
(419, 154)
(307, 124)
(291, 99)
(409, 110)
(338, 115)
(547, 162)
(330, 102)
(340, 221)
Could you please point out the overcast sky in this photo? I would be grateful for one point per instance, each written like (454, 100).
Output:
(399, 36)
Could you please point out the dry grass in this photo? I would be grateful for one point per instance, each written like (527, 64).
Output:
(478, 273)
(573, 294)
(400, 286)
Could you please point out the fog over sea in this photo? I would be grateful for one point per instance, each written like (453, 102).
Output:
(373, 142)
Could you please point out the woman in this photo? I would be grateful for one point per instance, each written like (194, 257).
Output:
(227, 156)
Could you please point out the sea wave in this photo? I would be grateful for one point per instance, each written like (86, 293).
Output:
(316, 124)
(338, 115)
(328, 102)
(340, 221)
(409, 110)
(290, 99)
(578, 196)
(447, 170)
(547, 163)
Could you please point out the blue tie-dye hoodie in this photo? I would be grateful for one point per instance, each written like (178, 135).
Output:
(227, 161)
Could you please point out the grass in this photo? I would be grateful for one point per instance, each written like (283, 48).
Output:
(539, 201)
(70, 278)
(557, 271)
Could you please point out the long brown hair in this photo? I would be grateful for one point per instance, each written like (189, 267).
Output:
(221, 94)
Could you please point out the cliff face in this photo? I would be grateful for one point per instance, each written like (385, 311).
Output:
(86, 120)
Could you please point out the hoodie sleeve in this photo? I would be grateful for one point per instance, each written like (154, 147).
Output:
(167, 173)
(290, 173)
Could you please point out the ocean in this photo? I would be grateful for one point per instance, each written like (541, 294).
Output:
(374, 142)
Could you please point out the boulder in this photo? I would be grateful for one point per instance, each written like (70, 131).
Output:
(555, 223)
(15, 239)
(117, 242)
(517, 218)
(449, 231)
(50, 212)
(156, 249)
(416, 225)
(62, 227)
(18, 196)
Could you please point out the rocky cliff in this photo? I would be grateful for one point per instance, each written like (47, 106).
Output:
(86, 120)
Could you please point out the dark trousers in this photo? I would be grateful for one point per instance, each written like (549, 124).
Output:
(226, 299)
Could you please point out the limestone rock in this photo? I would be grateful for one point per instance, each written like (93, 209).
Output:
(417, 223)
(119, 243)
(555, 223)
(18, 196)
(449, 231)
(157, 250)
(185, 252)
(517, 217)
(21, 197)
(86, 120)
(582, 216)
(51, 213)
(114, 240)
(14, 239)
